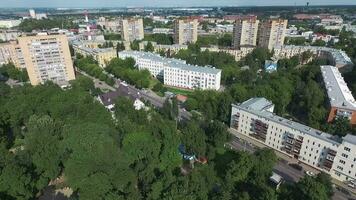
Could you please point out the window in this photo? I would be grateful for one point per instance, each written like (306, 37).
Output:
(341, 161)
(344, 155)
(347, 149)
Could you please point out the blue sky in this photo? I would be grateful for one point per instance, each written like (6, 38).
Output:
(163, 3)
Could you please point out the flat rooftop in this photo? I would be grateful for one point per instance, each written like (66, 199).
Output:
(339, 94)
(350, 139)
(257, 104)
(171, 62)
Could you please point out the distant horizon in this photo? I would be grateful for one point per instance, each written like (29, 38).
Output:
(196, 7)
(68, 4)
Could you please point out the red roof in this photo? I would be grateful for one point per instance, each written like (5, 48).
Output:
(181, 98)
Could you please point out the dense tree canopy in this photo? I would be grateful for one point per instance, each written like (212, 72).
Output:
(125, 70)
(10, 71)
(28, 25)
(159, 38)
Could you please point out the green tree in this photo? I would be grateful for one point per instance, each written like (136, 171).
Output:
(120, 47)
(194, 139)
(16, 182)
(134, 45)
(149, 47)
(42, 142)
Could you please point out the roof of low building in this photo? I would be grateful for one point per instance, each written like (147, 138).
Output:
(257, 104)
(350, 139)
(339, 94)
(122, 91)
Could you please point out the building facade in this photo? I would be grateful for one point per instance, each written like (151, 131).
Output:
(113, 25)
(185, 31)
(271, 33)
(245, 32)
(132, 29)
(9, 23)
(335, 156)
(176, 72)
(47, 58)
(102, 55)
(336, 57)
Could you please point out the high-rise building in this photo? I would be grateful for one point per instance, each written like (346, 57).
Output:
(132, 29)
(185, 31)
(245, 32)
(32, 13)
(271, 33)
(47, 58)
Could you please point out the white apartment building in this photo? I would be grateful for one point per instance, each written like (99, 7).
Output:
(336, 57)
(331, 154)
(132, 29)
(245, 32)
(9, 23)
(162, 31)
(176, 72)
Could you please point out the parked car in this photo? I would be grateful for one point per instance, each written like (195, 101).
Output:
(309, 173)
(351, 185)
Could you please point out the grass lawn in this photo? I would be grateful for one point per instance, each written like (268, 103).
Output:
(153, 82)
(180, 91)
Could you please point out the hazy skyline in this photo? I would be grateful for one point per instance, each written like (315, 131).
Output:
(164, 3)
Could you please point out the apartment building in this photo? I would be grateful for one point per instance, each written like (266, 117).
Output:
(8, 35)
(185, 31)
(238, 54)
(8, 54)
(176, 72)
(9, 23)
(112, 25)
(102, 55)
(47, 58)
(245, 32)
(174, 48)
(271, 33)
(132, 29)
(336, 57)
(331, 154)
(342, 103)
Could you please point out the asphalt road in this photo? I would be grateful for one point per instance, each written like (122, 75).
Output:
(282, 168)
(147, 95)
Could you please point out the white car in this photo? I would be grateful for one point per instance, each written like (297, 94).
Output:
(309, 173)
(351, 185)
